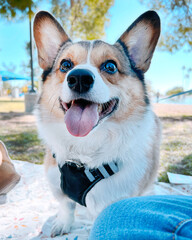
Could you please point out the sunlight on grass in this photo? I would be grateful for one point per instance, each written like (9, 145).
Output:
(12, 106)
(24, 146)
(183, 167)
(19, 132)
(176, 147)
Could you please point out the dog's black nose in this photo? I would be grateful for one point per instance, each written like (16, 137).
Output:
(80, 80)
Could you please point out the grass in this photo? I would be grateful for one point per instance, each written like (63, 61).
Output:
(8, 105)
(183, 167)
(21, 138)
(176, 147)
(24, 146)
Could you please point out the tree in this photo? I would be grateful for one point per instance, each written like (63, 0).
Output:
(177, 34)
(175, 90)
(186, 77)
(11, 67)
(17, 9)
(86, 18)
(6, 85)
(26, 65)
(83, 19)
(11, 8)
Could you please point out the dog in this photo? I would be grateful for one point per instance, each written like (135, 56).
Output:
(95, 117)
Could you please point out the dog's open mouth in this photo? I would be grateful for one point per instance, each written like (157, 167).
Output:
(82, 115)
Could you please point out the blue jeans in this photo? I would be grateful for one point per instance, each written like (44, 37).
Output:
(145, 218)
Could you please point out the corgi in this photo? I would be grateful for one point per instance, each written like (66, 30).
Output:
(95, 117)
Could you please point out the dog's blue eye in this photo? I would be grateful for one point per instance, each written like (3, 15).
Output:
(109, 67)
(66, 65)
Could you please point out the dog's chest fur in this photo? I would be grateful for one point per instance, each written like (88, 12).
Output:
(111, 141)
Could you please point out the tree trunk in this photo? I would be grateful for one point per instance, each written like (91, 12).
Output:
(31, 54)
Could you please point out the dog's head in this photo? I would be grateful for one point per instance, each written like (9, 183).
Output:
(88, 83)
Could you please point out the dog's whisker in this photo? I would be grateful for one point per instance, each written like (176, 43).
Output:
(55, 92)
(54, 104)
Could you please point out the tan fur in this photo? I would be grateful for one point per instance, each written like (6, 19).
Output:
(129, 88)
(132, 104)
(104, 52)
(145, 34)
(78, 55)
(49, 161)
(56, 36)
(49, 102)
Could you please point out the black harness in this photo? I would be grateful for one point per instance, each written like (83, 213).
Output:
(77, 180)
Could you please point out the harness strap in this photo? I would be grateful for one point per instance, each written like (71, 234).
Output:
(77, 179)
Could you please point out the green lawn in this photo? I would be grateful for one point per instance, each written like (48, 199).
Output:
(24, 145)
(8, 105)
(176, 147)
(19, 133)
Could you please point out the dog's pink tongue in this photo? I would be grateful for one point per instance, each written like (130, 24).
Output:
(80, 120)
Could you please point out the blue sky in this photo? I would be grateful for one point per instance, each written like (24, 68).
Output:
(165, 71)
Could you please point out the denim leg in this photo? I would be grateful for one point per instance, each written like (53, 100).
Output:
(146, 218)
(183, 230)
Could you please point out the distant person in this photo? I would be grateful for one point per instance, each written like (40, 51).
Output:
(157, 100)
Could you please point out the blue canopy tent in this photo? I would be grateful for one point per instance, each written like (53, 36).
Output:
(7, 76)
(15, 80)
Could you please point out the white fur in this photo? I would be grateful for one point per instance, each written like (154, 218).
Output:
(123, 146)
(89, 52)
(125, 142)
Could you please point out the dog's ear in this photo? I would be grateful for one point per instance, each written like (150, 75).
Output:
(140, 39)
(49, 36)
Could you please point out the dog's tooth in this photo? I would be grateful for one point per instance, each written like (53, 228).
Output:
(99, 108)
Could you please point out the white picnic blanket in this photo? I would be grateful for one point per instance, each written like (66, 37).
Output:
(30, 205)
